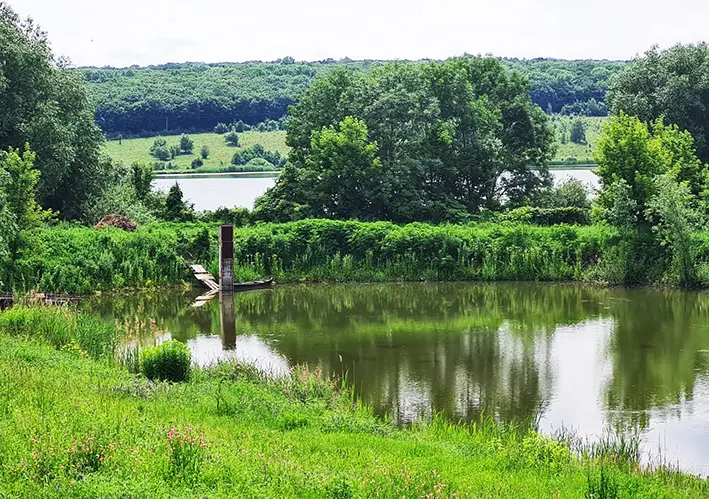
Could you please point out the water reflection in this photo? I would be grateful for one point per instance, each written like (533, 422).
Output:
(562, 355)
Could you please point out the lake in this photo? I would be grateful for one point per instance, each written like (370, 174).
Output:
(210, 191)
(563, 355)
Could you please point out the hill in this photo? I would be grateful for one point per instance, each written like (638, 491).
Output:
(195, 97)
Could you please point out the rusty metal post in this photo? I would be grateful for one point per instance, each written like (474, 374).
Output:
(226, 257)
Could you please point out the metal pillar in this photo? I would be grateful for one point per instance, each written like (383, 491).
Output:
(226, 257)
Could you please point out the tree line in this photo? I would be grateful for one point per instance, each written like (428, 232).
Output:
(195, 97)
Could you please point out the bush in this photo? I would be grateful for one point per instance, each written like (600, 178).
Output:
(169, 361)
(204, 152)
(221, 128)
(196, 163)
(232, 139)
(549, 216)
(186, 144)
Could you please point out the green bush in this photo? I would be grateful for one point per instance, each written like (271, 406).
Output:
(549, 216)
(169, 361)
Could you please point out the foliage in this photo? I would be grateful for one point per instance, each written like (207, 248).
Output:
(204, 152)
(232, 139)
(196, 163)
(61, 328)
(637, 153)
(160, 149)
(672, 84)
(221, 128)
(577, 135)
(20, 179)
(196, 96)
(187, 451)
(169, 361)
(176, 208)
(569, 193)
(186, 144)
(45, 104)
(142, 177)
(452, 138)
(257, 151)
(673, 212)
(572, 215)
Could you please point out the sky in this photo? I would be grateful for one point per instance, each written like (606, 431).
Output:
(126, 32)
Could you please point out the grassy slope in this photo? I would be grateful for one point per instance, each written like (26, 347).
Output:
(580, 152)
(130, 150)
(75, 427)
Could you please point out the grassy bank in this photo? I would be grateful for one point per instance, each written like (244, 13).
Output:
(128, 151)
(79, 260)
(73, 425)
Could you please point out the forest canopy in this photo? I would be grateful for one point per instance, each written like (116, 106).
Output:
(196, 96)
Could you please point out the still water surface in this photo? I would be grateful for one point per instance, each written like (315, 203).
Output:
(567, 356)
(209, 192)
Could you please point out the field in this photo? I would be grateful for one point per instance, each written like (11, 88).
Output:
(73, 424)
(129, 150)
(570, 153)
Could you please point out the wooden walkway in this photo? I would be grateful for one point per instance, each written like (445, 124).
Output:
(204, 277)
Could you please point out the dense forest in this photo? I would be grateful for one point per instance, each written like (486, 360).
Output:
(195, 96)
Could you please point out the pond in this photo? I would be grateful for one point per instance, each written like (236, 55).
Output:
(566, 356)
(210, 191)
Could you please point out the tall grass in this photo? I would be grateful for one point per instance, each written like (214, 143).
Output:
(62, 329)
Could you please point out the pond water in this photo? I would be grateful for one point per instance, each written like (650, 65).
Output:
(209, 192)
(567, 356)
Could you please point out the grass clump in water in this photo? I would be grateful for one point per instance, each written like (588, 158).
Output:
(169, 361)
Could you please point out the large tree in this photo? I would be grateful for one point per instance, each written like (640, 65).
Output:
(44, 104)
(673, 84)
(450, 138)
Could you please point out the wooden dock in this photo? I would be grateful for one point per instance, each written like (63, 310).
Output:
(204, 277)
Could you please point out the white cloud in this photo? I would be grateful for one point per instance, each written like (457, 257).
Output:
(92, 32)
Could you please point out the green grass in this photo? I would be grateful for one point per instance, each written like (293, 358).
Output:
(576, 153)
(76, 426)
(128, 151)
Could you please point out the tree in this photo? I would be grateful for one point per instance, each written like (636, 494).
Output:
(344, 163)
(232, 139)
(570, 193)
(452, 138)
(160, 149)
(20, 181)
(221, 128)
(578, 132)
(675, 217)
(45, 104)
(636, 153)
(176, 209)
(672, 84)
(142, 177)
(204, 152)
(186, 144)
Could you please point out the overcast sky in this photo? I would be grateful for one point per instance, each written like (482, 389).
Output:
(126, 32)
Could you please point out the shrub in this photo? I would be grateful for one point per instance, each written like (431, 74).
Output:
(196, 163)
(221, 128)
(169, 361)
(232, 139)
(549, 216)
(204, 152)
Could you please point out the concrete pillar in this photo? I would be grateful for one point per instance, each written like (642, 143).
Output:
(226, 257)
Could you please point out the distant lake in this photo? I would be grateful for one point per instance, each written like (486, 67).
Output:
(210, 191)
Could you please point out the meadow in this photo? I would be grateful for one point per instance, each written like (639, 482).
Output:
(128, 151)
(74, 424)
(569, 153)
